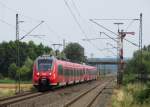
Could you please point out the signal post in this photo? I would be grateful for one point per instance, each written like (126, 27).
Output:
(121, 36)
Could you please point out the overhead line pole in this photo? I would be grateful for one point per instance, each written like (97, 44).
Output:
(140, 48)
(18, 55)
(18, 45)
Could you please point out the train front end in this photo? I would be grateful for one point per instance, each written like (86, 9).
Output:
(42, 71)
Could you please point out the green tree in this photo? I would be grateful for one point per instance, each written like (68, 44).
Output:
(12, 71)
(26, 70)
(8, 54)
(135, 67)
(74, 52)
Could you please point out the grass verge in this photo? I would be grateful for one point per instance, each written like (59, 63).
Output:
(131, 95)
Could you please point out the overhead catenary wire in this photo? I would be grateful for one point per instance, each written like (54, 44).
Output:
(31, 30)
(116, 19)
(53, 31)
(75, 18)
(75, 7)
(87, 39)
(5, 22)
(80, 27)
(11, 25)
(59, 36)
(132, 21)
(112, 32)
(15, 11)
(82, 18)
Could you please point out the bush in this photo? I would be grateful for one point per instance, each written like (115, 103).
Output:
(129, 78)
(132, 95)
(142, 96)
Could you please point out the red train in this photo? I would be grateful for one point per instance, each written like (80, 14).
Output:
(49, 71)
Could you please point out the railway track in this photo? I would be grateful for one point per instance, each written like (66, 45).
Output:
(87, 98)
(7, 101)
(29, 99)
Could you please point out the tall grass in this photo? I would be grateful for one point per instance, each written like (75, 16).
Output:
(132, 95)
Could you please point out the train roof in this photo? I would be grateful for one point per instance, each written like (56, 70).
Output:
(64, 62)
(74, 64)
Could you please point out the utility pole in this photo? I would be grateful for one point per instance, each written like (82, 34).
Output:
(121, 36)
(18, 39)
(18, 55)
(17, 27)
(140, 48)
(119, 74)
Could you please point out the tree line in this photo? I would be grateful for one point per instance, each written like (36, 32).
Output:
(137, 78)
(73, 52)
(28, 52)
(138, 67)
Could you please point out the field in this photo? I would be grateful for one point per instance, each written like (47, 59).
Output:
(9, 87)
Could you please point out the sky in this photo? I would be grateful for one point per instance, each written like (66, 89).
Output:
(70, 20)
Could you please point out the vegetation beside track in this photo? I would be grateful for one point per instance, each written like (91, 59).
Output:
(135, 91)
(6, 92)
(8, 87)
(132, 95)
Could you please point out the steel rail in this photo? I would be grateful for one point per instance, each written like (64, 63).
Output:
(69, 103)
(14, 99)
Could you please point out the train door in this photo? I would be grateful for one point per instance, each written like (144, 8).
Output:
(84, 74)
(75, 74)
(60, 73)
(65, 75)
(72, 78)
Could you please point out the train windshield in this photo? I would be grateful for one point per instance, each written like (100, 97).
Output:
(44, 64)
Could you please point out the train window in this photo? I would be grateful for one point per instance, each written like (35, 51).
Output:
(44, 64)
(74, 72)
(79, 72)
(66, 72)
(71, 72)
(60, 69)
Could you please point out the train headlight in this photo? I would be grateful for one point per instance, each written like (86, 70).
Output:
(37, 73)
(50, 73)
